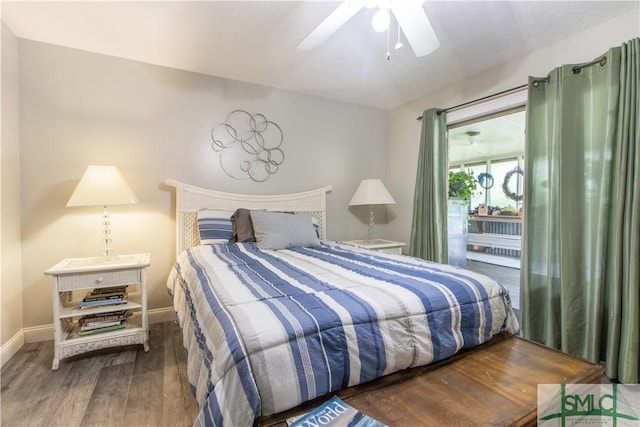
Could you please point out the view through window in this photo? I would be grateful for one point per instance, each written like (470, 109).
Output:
(492, 150)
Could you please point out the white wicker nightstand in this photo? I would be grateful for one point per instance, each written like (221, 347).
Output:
(380, 245)
(73, 277)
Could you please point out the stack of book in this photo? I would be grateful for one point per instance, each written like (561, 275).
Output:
(104, 296)
(102, 322)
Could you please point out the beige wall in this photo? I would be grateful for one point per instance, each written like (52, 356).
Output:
(79, 108)
(404, 129)
(10, 248)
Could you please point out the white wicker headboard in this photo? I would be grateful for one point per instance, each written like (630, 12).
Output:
(190, 199)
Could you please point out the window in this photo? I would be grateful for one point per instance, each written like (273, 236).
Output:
(499, 170)
(494, 145)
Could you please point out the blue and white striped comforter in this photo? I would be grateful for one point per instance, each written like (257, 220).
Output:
(267, 330)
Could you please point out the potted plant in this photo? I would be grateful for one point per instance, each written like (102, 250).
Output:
(462, 185)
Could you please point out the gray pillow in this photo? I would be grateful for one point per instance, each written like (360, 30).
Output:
(276, 230)
(242, 226)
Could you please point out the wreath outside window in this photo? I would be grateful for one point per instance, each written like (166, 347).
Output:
(505, 185)
(485, 180)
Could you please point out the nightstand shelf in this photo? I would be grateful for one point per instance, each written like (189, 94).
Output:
(72, 309)
(380, 245)
(73, 278)
(134, 323)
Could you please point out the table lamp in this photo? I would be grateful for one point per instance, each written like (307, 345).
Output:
(371, 192)
(102, 186)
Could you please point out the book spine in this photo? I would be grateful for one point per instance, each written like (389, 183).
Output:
(99, 325)
(113, 313)
(108, 290)
(118, 315)
(87, 304)
(111, 295)
(105, 329)
(100, 298)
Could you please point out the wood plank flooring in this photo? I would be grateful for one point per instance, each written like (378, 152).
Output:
(113, 387)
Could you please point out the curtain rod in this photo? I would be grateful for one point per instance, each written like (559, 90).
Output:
(484, 98)
(602, 61)
(576, 70)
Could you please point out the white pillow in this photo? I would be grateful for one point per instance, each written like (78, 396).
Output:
(277, 230)
(214, 226)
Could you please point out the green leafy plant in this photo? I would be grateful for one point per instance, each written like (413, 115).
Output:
(462, 185)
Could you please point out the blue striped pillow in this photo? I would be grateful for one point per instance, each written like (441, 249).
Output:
(214, 226)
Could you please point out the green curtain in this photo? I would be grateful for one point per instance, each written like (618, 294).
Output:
(429, 224)
(580, 279)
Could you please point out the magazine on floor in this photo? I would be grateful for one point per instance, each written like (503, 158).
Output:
(334, 413)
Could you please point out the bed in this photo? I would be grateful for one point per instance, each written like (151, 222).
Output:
(267, 327)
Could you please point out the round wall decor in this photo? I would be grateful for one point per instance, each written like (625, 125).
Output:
(249, 146)
(505, 185)
(485, 180)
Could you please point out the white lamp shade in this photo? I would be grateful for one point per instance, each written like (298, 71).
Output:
(102, 186)
(371, 192)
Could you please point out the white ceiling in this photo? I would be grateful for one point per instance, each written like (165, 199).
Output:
(498, 138)
(255, 41)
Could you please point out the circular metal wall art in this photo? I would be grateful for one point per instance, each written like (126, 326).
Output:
(249, 146)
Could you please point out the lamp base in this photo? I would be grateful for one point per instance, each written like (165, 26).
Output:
(106, 233)
(371, 236)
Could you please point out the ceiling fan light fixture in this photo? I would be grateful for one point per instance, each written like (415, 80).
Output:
(381, 20)
(409, 15)
(399, 43)
(474, 136)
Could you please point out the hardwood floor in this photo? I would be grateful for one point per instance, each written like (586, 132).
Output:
(113, 387)
(506, 276)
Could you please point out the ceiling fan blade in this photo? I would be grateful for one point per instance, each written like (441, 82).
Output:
(330, 25)
(416, 27)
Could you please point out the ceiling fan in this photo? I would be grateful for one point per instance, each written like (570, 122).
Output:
(409, 14)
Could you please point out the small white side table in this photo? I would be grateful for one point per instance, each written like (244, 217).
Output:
(380, 245)
(72, 277)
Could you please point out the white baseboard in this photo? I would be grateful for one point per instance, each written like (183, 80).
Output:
(45, 332)
(159, 315)
(38, 333)
(11, 347)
